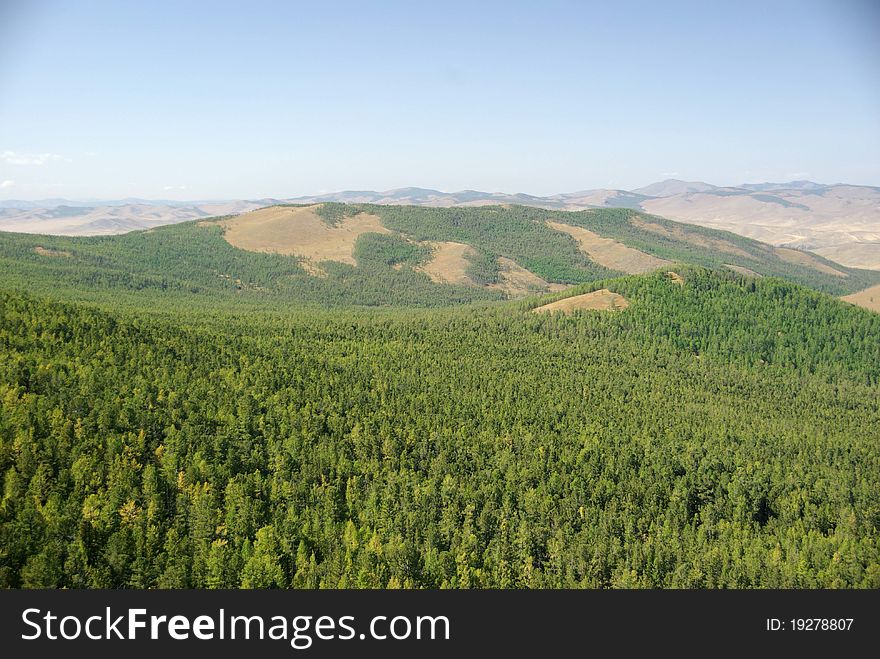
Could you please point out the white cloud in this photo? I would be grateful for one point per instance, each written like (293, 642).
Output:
(7, 184)
(15, 158)
(174, 187)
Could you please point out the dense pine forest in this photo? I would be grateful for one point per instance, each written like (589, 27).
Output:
(179, 429)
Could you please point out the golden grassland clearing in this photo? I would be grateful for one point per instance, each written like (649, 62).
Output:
(610, 253)
(692, 238)
(448, 263)
(743, 271)
(802, 258)
(516, 281)
(299, 232)
(868, 298)
(601, 300)
(43, 251)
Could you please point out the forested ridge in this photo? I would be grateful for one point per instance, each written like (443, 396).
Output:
(720, 433)
(520, 233)
(191, 264)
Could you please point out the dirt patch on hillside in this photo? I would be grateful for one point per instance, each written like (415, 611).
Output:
(692, 238)
(610, 253)
(43, 251)
(299, 232)
(516, 281)
(448, 263)
(802, 258)
(868, 298)
(675, 278)
(743, 271)
(601, 300)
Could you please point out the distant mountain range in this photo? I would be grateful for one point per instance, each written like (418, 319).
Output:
(61, 217)
(838, 221)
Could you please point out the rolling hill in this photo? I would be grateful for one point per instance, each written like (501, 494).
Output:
(384, 255)
(839, 222)
(672, 187)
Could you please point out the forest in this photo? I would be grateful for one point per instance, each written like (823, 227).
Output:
(721, 432)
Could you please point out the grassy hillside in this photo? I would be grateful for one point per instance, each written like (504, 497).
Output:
(718, 432)
(521, 233)
(191, 263)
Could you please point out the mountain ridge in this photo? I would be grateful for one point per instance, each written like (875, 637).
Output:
(838, 221)
(656, 189)
(374, 255)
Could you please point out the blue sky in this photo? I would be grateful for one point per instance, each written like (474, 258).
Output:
(198, 100)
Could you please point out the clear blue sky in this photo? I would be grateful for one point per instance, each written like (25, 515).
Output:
(199, 100)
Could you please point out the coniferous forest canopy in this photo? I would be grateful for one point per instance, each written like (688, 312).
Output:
(176, 412)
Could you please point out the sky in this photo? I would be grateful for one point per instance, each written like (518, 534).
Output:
(222, 100)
